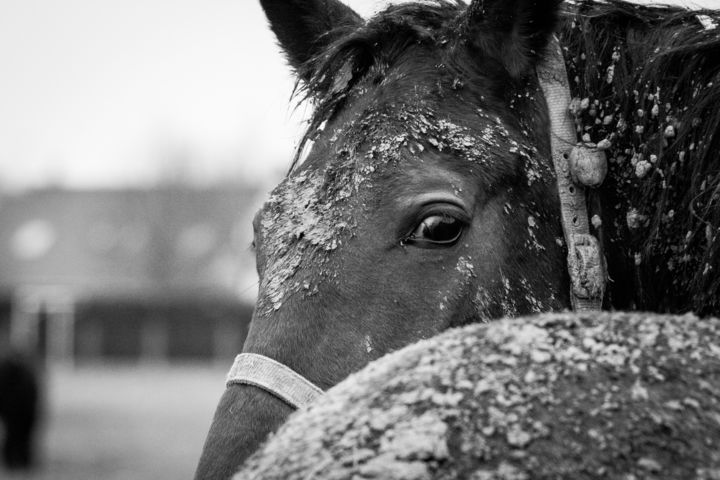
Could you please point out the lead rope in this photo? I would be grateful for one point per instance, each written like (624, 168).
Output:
(576, 166)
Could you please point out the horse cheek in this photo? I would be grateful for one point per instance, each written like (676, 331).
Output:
(244, 418)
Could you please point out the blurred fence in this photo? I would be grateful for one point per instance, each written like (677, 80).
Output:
(149, 275)
(151, 328)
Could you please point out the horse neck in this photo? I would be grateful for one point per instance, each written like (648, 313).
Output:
(659, 255)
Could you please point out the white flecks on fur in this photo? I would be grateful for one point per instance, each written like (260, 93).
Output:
(507, 301)
(610, 74)
(536, 305)
(298, 217)
(604, 144)
(368, 344)
(707, 22)
(533, 243)
(481, 303)
(635, 219)
(465, 266)
(642, 168)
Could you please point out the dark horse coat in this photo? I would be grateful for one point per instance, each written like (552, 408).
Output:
(557, 396)
(428, 200)
(19, 409)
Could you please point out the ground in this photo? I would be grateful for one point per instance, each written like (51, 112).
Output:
(126, 422)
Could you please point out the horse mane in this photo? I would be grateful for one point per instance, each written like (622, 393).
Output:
(648, 80)
(645, 78)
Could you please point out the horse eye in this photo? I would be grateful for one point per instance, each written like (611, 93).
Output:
(437, 231)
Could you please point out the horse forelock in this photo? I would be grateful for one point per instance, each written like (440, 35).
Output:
(369, 51)
(647, 79)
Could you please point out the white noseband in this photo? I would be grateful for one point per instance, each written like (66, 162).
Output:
(274, 377)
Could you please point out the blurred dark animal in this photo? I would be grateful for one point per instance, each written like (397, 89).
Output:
(556, 396)
(428, 198)
(19, 409)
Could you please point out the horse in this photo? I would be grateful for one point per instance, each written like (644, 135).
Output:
(424, 194)
(19, 409)
(568, 395)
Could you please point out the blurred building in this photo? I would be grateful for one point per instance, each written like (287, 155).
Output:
(133, 274)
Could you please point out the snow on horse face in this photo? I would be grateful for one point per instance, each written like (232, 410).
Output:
(427, 198)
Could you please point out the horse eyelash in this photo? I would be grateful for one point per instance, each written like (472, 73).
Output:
(403, 242)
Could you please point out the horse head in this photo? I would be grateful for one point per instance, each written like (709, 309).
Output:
(427, 199)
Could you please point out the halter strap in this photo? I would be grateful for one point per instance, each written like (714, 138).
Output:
(273, 377)
(585, 262)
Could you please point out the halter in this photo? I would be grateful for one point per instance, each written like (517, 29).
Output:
(274, 377)
(576, 166)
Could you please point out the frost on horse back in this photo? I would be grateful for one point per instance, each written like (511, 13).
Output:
(555, 396)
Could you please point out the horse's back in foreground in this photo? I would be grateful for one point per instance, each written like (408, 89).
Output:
(554, 396)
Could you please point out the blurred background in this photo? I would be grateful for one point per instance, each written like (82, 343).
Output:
(137, 139)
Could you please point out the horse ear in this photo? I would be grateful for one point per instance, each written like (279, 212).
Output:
(513, 32)
(304, 28)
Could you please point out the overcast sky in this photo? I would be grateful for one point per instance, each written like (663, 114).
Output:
(105, 93)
